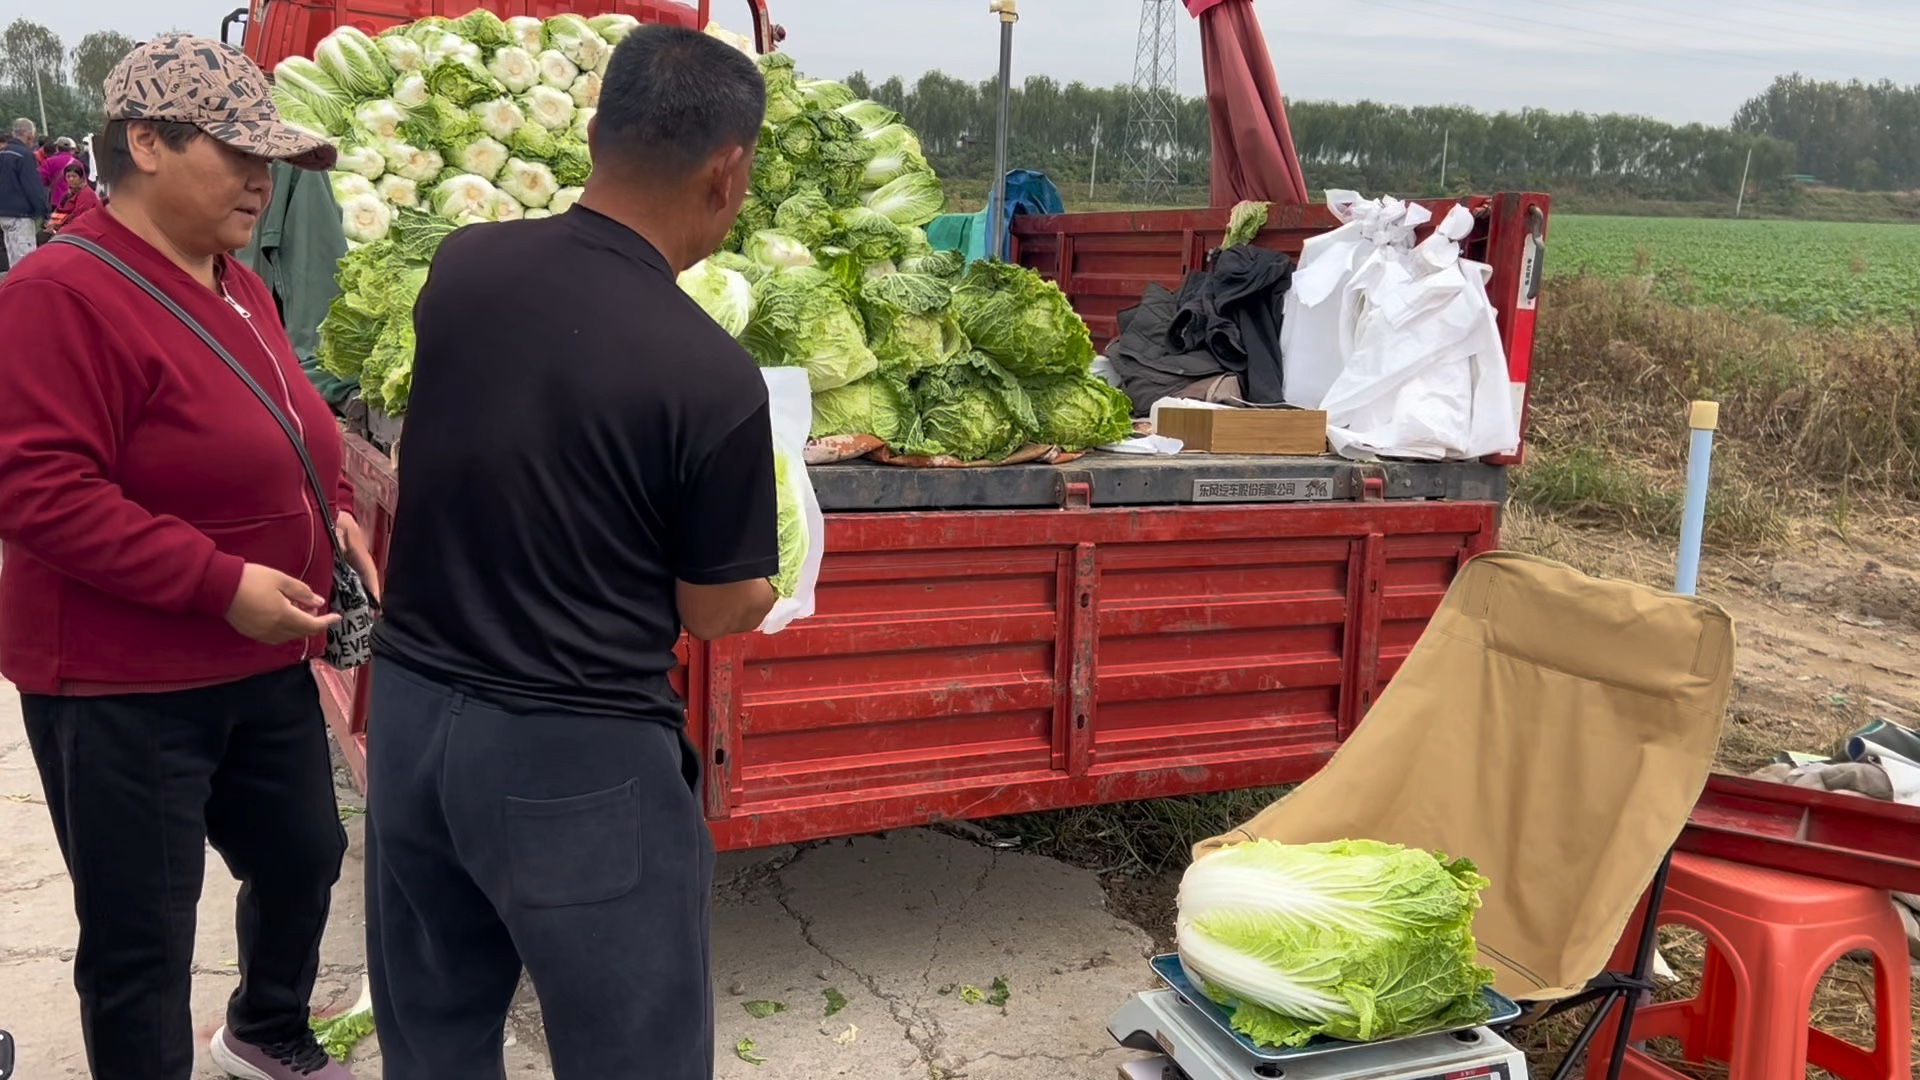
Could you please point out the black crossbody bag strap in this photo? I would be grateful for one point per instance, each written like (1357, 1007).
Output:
(322, 502)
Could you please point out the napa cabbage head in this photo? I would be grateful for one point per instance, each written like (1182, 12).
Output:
(577, 41)
(1355, 940)
(530, 183)
(613, 28)
(410, 91)
(870, 235)
(346, 185)
(355, 63)
(515, 69)
(404, 55)
(790, 525)
(908, 322)
(528, 32)
(1079, 412)
(465, 198)
(1021, 320)
(802, 317)
(379, 119)
(914, 198)
(724, 294)
(806, 216)
(777, 250)
(462, 80)
(1245, 223)
(880, 405)
(396, 190)
(303, 81)
(485, 29)
(973, 410)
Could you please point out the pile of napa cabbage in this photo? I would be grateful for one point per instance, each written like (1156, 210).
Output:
(828, 268)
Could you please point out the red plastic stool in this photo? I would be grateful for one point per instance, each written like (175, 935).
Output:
(1770, 938)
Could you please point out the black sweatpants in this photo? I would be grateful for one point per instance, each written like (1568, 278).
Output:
(571, 844)
(138, 785)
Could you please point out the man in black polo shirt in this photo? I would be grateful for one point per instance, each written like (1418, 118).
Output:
(589, 467)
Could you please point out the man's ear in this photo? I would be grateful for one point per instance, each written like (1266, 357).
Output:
(723, 169)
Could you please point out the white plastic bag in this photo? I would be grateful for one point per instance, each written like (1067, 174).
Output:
(1426, 376)
(1322, 305)
(790, 401)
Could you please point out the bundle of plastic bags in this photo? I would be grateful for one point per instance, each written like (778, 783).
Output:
(1397, 341)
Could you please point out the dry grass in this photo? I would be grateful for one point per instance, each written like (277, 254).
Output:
(1813, 422)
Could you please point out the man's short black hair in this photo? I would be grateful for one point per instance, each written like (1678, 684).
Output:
(672, 97)
(116, 160)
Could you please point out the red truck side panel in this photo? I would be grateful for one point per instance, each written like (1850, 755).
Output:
(971, 663)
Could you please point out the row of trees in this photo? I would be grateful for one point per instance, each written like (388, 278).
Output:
(37, 69)
(1363, 145)
(1854, 134)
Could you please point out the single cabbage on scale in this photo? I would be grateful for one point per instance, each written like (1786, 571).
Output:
(724, 294)
(802, 318)
(973, 410)
(791, 527)
(1079, 412)
(1355, 940)
(1021, 320)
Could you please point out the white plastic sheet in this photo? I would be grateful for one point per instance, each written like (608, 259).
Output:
(790, 402)
(1396, 342)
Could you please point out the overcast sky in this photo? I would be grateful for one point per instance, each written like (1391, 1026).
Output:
(1679, 60)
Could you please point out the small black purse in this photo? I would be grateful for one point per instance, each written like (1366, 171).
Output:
(349, 641)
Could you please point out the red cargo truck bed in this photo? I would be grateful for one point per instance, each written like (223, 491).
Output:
(997, 640)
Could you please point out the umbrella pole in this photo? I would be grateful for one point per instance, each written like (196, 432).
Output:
(1704, 420)
(997, 194)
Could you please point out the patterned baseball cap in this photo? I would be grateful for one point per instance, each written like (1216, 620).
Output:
(216, 88)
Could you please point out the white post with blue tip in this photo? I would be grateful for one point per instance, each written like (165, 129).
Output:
(1704, 419)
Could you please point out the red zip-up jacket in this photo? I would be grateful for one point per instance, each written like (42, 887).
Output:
(138, 474)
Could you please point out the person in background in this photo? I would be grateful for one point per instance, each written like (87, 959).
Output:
(78, 202)
(534, 792)
(161, 597)
(23, 198)
(53, 170)
(44, 151)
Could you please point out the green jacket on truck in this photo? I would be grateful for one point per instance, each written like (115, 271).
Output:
(296, 249)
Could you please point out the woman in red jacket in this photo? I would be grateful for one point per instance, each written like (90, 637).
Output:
(78, 202)
(160, 600)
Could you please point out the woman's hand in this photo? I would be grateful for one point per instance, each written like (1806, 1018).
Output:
(273, 609)
(353, 543)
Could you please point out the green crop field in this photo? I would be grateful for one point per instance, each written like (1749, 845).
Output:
(1816, 272)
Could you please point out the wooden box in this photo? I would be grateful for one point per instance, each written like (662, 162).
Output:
(1299, 432)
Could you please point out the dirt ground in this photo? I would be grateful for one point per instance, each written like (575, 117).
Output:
(1828, 631)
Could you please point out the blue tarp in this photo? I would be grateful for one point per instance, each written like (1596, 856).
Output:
(1027, 192)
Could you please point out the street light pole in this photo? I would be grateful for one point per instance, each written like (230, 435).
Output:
(41, 97)
(997, 193)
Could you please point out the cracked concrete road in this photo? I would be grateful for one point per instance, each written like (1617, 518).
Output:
(911, 929)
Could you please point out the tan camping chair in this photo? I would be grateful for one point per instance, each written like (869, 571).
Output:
(1554, 728)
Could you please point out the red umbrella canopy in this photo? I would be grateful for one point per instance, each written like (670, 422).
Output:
(1253, 154)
